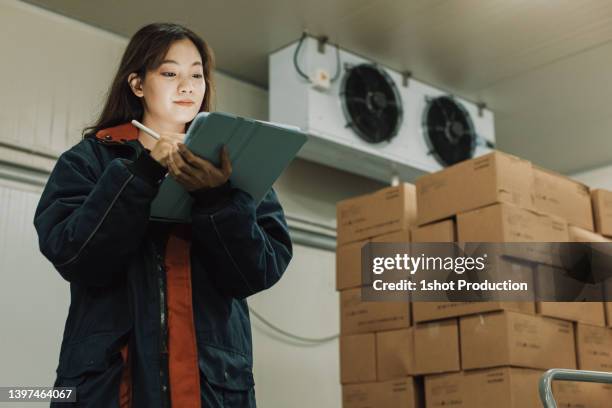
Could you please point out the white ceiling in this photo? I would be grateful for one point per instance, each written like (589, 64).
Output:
(541, 65)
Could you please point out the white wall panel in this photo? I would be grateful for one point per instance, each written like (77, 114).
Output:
(291, 373)
(34, 298)
(54, 76)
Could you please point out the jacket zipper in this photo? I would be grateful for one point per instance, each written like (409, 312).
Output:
(163, 322)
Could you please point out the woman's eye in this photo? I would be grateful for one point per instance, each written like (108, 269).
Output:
(198, 76)
(168, 74)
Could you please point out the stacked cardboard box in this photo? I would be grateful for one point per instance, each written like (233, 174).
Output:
(509, 200)
(383, 216)
(509, 387)
(475, 354)
(602, 212)
(377, 338)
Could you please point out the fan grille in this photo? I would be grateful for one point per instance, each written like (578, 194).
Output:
(371, 103)
(449, 131)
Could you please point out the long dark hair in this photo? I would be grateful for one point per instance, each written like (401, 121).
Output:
(145, 52)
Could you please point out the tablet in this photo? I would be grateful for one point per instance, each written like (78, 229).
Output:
(259, 152)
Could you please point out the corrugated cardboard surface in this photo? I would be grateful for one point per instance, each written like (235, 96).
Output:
(388, 210)
(401, 236)
(397, 393)
(493, 178)
(394, 354)
(554, 282)
(577, 234)
(507, 223)
(436, 347)
(502, 387)
(561, 196)
(357, 358)
(443, 231)
(594, 347)
(357, 316)
(582, 394)
(445, 390)
(348, 259)
(585, 312)
(515, 339)
(509, 387)
(429, 311)
(348, 265)
(602, 211)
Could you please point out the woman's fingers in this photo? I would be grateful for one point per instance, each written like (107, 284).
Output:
(181, 165)
(226, 164)
(189, 157)
(192, 159)
(194, 172)
(180, 175)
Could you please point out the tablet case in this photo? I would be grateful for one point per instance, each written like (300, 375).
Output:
(259, 152)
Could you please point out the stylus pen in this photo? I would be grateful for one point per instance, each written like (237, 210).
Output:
(145, 129)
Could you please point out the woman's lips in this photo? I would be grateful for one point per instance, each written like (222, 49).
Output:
(184, 103)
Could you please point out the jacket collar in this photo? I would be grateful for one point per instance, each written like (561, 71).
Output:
(119, 133)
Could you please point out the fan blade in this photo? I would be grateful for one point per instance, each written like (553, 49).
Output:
(356, 99)
(367, 84)
(437, 102)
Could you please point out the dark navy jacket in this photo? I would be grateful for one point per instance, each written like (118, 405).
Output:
(93, 225)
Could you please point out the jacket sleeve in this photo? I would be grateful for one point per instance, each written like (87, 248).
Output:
(90, 218)
(245, 248)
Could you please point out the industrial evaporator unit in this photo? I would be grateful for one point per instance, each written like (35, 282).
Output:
(370, 120)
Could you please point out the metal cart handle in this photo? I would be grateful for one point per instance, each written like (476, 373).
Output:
(545, 386)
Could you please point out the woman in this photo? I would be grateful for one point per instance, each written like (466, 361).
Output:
(158, 315)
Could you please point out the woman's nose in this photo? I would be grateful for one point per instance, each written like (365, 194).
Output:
(185, 87)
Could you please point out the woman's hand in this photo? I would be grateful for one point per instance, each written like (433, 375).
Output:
(167, 143)
(195, 173)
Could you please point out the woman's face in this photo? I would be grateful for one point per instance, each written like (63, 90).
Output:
(173, 93)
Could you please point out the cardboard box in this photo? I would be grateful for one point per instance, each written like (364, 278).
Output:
(357, 358)
(445, 390)
(424, 349)
(508, 223)
(500, 387)
(561, 196)
(443, 231)
(493, 178)
(577, 234)
(582, 394)
(602, 211)
(388, 210)
(357, 316)
(594, 347)
(503, 223)
(584, 312)
(515, 339)
(348, 259)
(348, 265)
(436, 347)
(509, 387)
(397, 393)
(401, 236)
(553, 283)
(608, 307)
(429, 311)
(394, 354)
